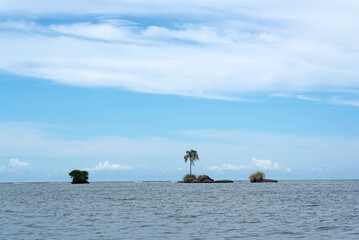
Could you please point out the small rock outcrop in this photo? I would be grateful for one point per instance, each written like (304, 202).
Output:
(268, 180)
(223, 181)
(79, 182)
(264, 180)
(204, 179)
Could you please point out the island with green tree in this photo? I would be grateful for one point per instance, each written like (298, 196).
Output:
(259, 177)
(79, 177)
(192, 156)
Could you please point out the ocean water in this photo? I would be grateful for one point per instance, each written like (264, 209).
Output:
(168, 210)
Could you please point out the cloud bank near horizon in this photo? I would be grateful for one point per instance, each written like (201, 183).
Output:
(211, 49)
(228, 151)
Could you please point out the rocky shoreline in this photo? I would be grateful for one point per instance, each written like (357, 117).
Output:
(264, 180)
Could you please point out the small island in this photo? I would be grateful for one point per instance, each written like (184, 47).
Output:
(259, 177)
(192, 156)
(79, 177)
(190, 178)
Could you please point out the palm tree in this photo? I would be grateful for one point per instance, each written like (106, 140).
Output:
(192, 155)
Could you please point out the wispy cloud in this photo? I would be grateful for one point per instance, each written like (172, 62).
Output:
(16, 163)
(339, 101)
(107, 166)
(348, 97)
(251, 47)
(308, 98)
(104, 31)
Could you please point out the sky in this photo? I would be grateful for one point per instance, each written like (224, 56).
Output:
(123, 89)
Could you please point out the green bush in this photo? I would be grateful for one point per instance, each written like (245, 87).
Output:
(79, 176)
(189, 177)
(257, 177)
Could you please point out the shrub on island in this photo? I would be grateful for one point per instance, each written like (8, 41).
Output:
(79, 176)
(189, 178)
(259, 177)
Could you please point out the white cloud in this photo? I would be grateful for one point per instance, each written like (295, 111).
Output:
(14, 162)
(224, 167)
(266, 164)
(252, 47)
(257, 163)
(107, 166)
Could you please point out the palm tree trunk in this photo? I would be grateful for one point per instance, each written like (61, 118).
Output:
(190, 169)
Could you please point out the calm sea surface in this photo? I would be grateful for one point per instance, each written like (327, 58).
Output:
(167, 210)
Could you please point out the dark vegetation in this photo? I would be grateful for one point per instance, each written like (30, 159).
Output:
(189, 177)
(79, 176)
(259, 177)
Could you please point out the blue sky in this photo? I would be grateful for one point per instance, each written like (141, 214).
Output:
(124, 88)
